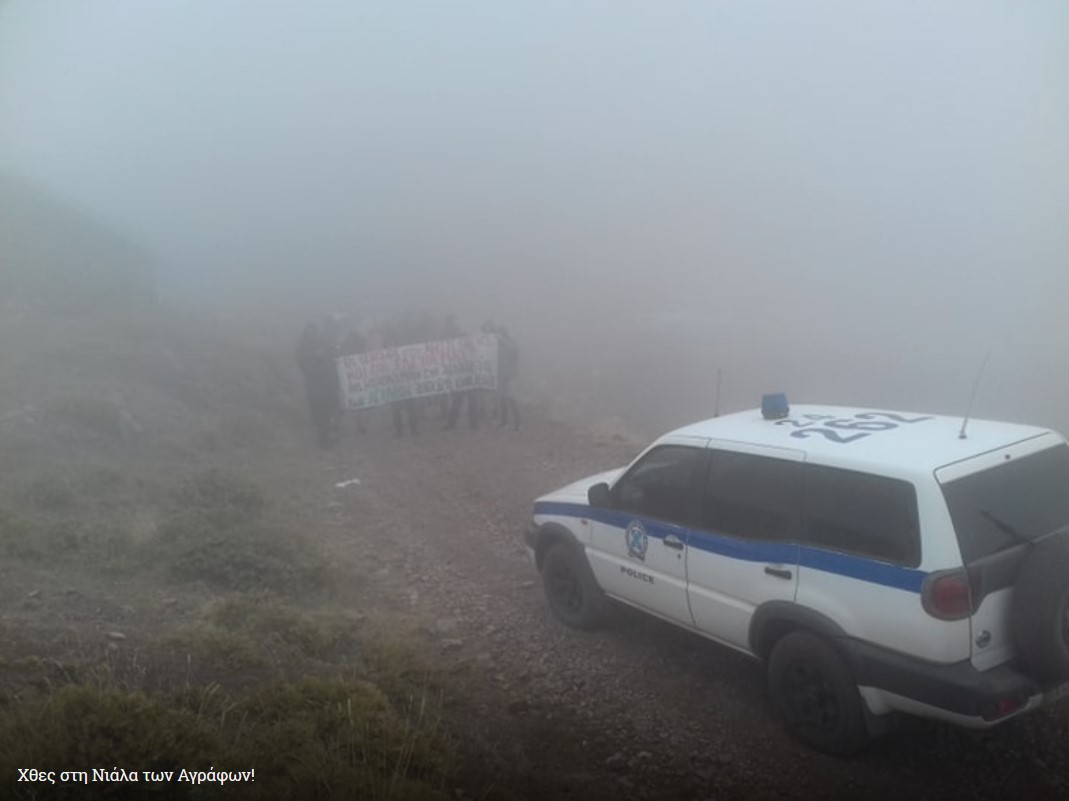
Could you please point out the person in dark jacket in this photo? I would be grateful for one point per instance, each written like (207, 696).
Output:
(353, 344)
(322, 385)
(447, 330)
(457, 399)
(400, 333)
(508, 363)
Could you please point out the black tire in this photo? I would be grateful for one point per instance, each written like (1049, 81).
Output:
(816, 694)
(1041, 611)
(570, 587)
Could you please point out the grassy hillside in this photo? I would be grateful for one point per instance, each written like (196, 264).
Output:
(168, 600)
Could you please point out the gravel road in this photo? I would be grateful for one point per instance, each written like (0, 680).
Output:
(639, 709)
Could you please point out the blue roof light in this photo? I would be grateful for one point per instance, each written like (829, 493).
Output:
(774, 406)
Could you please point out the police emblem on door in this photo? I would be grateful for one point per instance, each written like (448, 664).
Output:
(637, 541)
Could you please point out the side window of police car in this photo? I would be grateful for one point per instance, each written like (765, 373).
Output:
(861, 513)
(753, 497)
(662, 485)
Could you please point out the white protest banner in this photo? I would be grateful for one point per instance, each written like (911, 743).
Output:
(418, 371)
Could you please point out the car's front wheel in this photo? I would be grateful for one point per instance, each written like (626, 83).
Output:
(816, 694)
(572, 591)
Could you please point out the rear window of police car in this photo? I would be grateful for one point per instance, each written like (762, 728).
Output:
(1021, 499)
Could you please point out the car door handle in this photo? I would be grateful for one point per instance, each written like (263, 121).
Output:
(778, 572)
(672, 541)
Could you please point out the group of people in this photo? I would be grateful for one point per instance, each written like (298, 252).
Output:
(321, 344)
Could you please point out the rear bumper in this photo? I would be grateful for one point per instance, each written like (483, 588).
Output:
(958, 692)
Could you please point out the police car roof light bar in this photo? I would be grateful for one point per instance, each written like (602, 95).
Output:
(775, 406)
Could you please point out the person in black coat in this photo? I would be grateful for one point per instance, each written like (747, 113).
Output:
(460, 397)
(322, 385)
(352, 345)
(508, 362)
(398, 334)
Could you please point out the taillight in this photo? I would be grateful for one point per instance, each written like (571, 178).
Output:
(946, 595)
(1003, 707)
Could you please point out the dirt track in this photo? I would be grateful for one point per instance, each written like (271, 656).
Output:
(640, 709)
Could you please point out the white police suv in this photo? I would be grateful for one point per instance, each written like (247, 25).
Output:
(876, 562)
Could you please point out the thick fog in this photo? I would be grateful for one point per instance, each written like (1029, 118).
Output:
(851, 202)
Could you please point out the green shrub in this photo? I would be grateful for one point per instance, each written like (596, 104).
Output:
(82, 727)
(341, 739)
(394, 663)
(219, 647)
(268, 620)
(20, 538)
(95, 541)
(102, 483)
(50, 493)
(245, 430)
(106, 541)
(221, 497)
(63, 538)
(93, 414)
(217, 535)
(317, 739)
(249, 556)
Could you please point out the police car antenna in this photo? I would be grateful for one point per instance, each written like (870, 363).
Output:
(716, 408)
(975, 386)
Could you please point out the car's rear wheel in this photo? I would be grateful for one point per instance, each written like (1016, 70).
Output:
(570, 587)
(816, 694)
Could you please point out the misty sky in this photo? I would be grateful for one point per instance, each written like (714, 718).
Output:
(851, 200)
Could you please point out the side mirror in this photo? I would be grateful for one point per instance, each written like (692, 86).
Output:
(599, 495)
